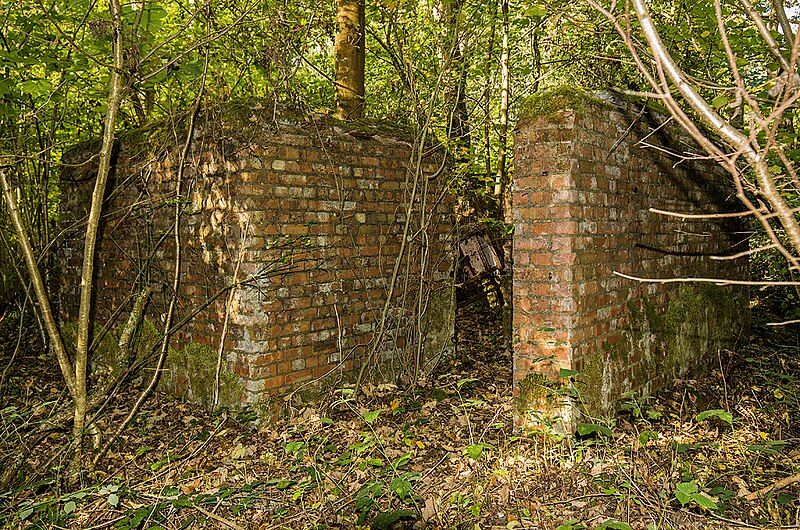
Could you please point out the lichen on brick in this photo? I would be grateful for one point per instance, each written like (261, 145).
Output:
(672, 343)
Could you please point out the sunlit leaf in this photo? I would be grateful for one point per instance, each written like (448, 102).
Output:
(720, 101)
(565, 373)
(371, 416)
(715, 413)
(293, 447)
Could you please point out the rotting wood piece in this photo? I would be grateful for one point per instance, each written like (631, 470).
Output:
(478, 259)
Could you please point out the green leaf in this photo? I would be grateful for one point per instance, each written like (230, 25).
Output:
(536, 11)
(715, 413)
(143, 450)
(300, 491)
(704, 501)
(402, 460)
(113, 499)
(474, 451)
(370, 417)
(192, 70)
(684, 492)
(401, 486)
(282, 484)
(565, 373)
(683, 498)
(171, 491)
(155, 466)
(646, 436)
(720, 102)
(590, 428)
(293, 447)
(24, 514)
(384, 520)
(464, 381)
(375, 462)
(182, 502)
(770, 448)
(69, 507)
(139, 516)
(785, 498)
(154, 14)
(682, 448)
(34, 87)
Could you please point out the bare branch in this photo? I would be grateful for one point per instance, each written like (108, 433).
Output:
(783, 20)
(716, 281)
(766, 34)
(701, 215)
(745, 253)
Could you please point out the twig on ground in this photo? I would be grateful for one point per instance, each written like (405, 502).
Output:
(217, 518)
(783, 483)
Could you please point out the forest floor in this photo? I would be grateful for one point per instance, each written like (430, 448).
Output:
(443, 455)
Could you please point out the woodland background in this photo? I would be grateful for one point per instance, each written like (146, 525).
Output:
(459, 70)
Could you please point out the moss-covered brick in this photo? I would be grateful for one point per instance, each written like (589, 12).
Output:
(308, 209)
(588, 172)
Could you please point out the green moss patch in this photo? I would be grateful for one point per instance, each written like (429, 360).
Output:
(548, 103)
(195, 365)
(664, 345)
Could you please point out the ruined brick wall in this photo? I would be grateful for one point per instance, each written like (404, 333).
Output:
(586, 174)
(309, 213)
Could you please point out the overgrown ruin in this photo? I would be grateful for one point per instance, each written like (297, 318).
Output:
(315, 223)
(587, 173)
(307, 217)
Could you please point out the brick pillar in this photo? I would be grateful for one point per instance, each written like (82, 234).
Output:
(583, 190)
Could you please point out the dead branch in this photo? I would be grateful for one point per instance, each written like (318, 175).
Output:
(783, 483)
(217, 518)
(784, 323)
(717, 281)
(701, 215)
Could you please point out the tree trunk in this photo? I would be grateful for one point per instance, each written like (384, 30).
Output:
(349, 59)
(503, 181)
(115, 94)
(454, 62)
(501, 189)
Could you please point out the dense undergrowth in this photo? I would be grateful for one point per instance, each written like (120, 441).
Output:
(443, 455)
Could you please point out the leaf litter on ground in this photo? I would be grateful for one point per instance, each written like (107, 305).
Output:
(443, 455)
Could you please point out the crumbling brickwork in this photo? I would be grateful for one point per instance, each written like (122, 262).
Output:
(587, 172)
(308, 213)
